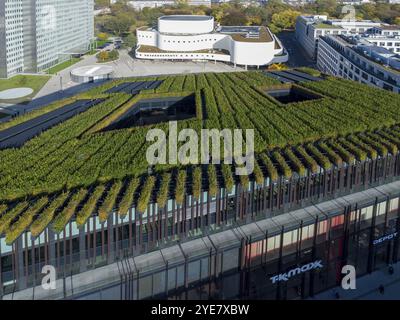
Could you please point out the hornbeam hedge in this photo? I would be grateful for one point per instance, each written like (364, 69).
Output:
(76, 169)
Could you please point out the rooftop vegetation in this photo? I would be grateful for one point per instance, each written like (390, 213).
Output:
(326, 26)
(75, 169)
(264, 36)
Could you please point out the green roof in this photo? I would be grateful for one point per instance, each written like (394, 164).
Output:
(326, 26)
(77, 168)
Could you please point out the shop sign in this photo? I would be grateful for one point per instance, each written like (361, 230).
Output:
(385, 238)
(304, 268)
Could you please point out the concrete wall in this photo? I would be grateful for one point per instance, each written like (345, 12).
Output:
(3, 65)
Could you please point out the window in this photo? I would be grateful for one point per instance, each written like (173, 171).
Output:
(393, 204)
(381, 208)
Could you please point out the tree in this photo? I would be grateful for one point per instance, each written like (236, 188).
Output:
(218, 13)
(277, 66)
(130, 40)
(103, 56)
(284, 20)
(326, 6)
(120, 24)
(234, 17)
(113, 55)
(102, 3)
(397, 20)
(102, 36)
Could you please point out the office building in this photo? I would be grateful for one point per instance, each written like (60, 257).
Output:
(310, 28)
(38, 34)
(355, 58)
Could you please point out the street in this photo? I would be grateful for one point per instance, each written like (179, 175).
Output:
(297, 55)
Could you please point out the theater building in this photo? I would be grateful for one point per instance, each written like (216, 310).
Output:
(185, 37)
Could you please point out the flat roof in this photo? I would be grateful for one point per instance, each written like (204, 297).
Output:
(186, 18)
(87, 161)
(92, 70)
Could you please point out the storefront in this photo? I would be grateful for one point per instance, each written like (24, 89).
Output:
(302, 262)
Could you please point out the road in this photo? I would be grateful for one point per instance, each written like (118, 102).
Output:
(297, 55)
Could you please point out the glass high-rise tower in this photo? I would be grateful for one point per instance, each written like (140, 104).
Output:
(41, 33)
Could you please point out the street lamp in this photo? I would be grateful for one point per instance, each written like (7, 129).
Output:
(61, 85)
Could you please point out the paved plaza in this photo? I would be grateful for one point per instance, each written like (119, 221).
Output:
(61, 86)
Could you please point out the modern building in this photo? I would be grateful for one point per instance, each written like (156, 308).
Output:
(185, 37)
(38, 34)
(140, 4)
(357, 59)
(391, 43)
(310, 28)
(285, 232)
(90, 74)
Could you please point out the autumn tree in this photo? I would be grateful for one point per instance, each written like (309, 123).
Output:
(284, 20)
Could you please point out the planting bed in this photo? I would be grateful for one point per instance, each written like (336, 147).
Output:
(80, 167)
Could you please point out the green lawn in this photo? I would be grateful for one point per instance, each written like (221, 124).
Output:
(63, 65)
(27, 81)
(101, 42)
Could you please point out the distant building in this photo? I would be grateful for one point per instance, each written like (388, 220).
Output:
(36, 35)
(354, 2)
(391, 43)
(355, 58)
(194, 37)
(141, 4)
(101, 11)
(310, 28)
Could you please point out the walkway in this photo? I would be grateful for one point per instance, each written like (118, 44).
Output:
(367, 287)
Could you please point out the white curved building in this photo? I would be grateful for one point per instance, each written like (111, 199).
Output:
(186, 37)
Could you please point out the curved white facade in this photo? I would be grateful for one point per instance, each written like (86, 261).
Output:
(92, 73)
(195, 37)
(181, 24)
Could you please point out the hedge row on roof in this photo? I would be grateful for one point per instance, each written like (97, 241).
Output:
(86, 171)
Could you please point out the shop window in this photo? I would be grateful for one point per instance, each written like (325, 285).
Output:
(289, 237)
(381, 208)
(255, 249)
(307, 232)
(353, 215)
(273, 243)
(366, 213)
(322, 227)
(394, 204)
(337, 221)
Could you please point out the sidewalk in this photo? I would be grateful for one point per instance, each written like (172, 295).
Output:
(367, 287)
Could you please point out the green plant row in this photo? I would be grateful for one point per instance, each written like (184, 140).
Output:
(24, 220)
(46, 217)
